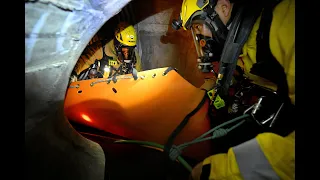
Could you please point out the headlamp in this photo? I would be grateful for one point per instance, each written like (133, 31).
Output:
(176, 24)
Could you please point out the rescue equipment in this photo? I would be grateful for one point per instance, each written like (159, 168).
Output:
(176, 151)
(146, 109)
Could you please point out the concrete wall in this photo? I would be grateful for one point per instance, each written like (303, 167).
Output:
(56, 32)
(160, 45)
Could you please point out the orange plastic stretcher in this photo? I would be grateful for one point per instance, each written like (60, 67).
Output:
(146, 109)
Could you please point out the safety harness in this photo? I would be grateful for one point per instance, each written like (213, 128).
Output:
(267, 67)
(265, 60)
(237, 36)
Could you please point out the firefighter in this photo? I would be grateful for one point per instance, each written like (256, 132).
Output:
(266, 57)
(116, 57)
(121, 51)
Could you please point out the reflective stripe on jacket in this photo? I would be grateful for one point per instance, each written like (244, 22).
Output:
(268, 156)
(252, 162)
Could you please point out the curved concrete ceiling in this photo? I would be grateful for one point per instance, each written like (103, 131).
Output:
(56, 32)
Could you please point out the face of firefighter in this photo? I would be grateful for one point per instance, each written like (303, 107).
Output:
(125, 52)
(201, 29)
(223, 9)
(93, 73)
(207, 47)
(202, 34)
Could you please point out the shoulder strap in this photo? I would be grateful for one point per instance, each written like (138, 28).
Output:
(239, 32)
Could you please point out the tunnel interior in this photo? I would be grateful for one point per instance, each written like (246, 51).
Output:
(57, 33)
(158, 45)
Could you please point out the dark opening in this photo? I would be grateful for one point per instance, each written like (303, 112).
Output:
(114, 90)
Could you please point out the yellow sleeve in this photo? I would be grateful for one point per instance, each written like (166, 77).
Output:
(282, 40)
(282, 45)
(223, 166)
(278, 150)
(110, 50)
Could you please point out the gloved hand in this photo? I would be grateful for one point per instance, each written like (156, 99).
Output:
(196, 172)
(73, 78)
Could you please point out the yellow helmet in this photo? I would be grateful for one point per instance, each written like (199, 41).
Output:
(209, 39)
(126, 34)
(189, 9)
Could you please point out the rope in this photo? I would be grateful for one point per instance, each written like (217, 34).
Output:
(217, 132)
(175, 152)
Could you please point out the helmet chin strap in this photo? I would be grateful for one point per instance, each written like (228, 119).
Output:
(218, 29)
(214, 45)
(212, 51)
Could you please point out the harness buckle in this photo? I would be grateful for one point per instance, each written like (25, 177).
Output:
(267, 120)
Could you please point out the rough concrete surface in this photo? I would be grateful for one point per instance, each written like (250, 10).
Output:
(158, 44)
(162, 46)
(56, 32)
